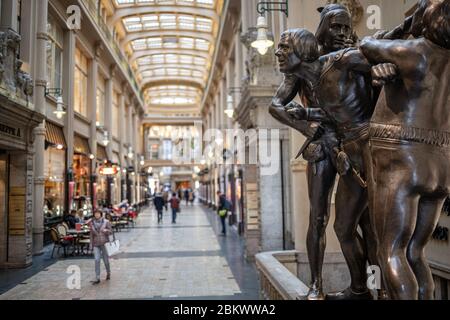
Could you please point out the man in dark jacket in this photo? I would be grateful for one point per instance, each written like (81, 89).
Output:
(71, 219)
(222, 210)
(158, 201)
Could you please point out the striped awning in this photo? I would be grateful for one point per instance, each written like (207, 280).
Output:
(101, 153)
(54, 134)
(81, 145)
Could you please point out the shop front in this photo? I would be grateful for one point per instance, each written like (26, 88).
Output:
(54, 173)
(17, 122)
(79, 186)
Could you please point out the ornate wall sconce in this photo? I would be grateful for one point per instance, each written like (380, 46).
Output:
(267, 6)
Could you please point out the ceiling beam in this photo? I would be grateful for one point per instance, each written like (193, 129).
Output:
(179, 82)
(172, 65)
(121, 13)
(148, 52)
(158, 79)
(165, 33)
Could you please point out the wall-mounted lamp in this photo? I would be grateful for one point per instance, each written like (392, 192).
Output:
(150, 169)
(262, 42)
(105, 138)
(91, 156)
(130, 152)
(229, 111)
(267, 6)
(142, 161)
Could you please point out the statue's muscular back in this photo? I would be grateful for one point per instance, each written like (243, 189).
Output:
(419, 99)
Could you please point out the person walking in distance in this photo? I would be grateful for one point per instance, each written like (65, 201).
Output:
(222, 210)
(159, 203)
(100, 230)
(175, 205)
(186, 196)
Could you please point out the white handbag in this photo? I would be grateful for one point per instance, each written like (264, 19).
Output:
(112, 247)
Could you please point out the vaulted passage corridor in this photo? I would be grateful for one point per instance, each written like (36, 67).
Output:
(186, 260)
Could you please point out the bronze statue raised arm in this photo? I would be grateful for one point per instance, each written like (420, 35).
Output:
(409, 151)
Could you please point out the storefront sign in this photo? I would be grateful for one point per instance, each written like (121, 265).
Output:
(108, 170)
(14, 132)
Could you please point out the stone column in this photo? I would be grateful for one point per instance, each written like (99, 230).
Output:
(8, 19)
(122, 137)
(145, 142)
(109, 108)
(92, 103)
(122, 140)
(68, 96)
(135, 158)
(39, 132)
(129, 126)
(238, 68)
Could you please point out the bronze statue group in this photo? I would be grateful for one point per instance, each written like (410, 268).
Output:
(375, 113)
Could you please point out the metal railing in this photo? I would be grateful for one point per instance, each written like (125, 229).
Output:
(93, 11)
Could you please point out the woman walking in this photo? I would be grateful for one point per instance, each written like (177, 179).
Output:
(100, 230)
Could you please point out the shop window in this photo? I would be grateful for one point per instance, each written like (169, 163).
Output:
(54, 51)
(81, 175)
(100, 115)
(54, 160)
(80, 83)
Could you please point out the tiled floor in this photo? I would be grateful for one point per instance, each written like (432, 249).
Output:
(186, 260)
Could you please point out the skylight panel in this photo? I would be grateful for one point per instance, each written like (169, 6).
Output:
(154, 42)
(197, 74)
(168, 21)
(185, 72)
(201, 44)
(186, 59)
(171, 58)
(187, 43)
(122, 2)
(203, 24)
(199, 61)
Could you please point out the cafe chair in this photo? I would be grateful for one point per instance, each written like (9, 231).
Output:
(58, 242)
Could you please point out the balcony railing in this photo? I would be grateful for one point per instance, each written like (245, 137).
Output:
(93, 11)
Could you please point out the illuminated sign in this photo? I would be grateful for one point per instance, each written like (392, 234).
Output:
(108, 170)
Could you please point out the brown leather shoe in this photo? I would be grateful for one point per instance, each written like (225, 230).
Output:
(108, 276)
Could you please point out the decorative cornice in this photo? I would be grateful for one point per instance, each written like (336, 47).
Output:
(112, 70)
(40, 83)
(42, 36)
(99, 47)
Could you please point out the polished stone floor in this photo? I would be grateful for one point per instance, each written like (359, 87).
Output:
(186, 260)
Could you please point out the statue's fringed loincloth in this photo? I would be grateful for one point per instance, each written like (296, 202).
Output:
(402, 133)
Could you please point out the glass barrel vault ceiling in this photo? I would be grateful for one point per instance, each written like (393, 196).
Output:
(170, 44)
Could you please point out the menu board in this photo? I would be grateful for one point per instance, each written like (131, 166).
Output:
(252, 206)
(16, 215)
